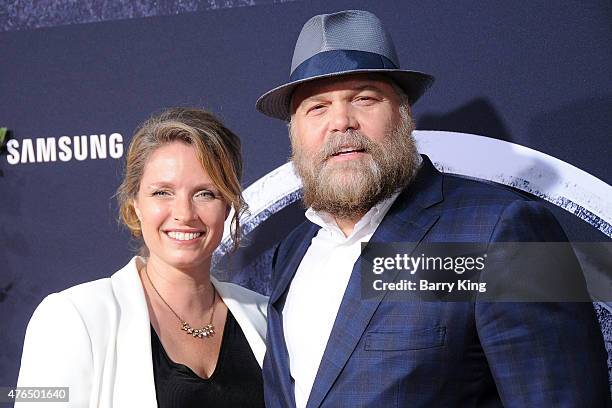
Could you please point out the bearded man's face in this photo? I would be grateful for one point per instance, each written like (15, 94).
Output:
(352, 143)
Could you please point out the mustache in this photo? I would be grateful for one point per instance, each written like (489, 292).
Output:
(351, 139)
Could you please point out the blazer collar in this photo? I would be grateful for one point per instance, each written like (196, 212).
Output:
(249, 310)
(134, 381)
(424, 192)
(408, 221)
(277, 360)
(296, 246)
(134, 373)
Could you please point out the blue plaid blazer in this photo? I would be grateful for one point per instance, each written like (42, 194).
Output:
(445, 354)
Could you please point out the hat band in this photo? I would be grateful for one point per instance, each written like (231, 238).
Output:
(329, 62)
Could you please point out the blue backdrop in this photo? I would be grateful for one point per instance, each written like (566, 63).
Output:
(538, 74)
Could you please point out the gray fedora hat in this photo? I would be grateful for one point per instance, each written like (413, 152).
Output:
(346, 42)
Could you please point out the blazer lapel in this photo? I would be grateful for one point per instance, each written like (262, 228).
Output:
(277, 374)
(294, 249)
(249, 311)
(134, 381)
(408, 220)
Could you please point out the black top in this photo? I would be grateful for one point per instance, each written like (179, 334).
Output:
(236, 381)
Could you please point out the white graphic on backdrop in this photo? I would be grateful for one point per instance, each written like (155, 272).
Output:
(534, 172)
(64, 148)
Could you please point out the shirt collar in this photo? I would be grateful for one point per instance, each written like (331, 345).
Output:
(366, 225)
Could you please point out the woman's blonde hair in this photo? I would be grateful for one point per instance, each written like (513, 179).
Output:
(217, 148)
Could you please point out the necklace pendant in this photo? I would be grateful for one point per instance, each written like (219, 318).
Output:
(186, 327)
(209, 330)
(204, 332)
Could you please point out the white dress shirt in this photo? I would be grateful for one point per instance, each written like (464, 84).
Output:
(317, 290)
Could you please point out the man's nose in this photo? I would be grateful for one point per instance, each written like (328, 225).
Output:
(183, 210)
(343, 118)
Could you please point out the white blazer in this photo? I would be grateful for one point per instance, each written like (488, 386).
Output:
(95, 338)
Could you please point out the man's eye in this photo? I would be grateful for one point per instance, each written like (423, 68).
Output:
(316, 108)
(364, 99)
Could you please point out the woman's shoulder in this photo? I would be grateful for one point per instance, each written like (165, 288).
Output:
(77, 325)
(242, 300)
(91, 290)
(93, 297)
(229, 290)
(249, 309)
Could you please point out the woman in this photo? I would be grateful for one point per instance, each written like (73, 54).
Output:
(161, 331)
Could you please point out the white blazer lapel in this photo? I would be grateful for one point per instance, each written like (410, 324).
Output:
(134, 381)
(249, 310)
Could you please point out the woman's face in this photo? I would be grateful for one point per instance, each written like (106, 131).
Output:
(180, 210)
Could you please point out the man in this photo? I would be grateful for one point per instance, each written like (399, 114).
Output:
(348, 104)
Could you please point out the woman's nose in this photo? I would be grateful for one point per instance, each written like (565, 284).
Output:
(183, 210)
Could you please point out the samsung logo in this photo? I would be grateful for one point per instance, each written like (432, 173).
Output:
(64, 148)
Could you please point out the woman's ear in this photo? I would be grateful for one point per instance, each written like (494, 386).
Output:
(228, 208)
(136, 209)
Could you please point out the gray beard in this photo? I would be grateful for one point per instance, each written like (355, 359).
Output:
(348, 189)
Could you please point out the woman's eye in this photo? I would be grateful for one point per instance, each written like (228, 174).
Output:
(206, 194)
(160, 193)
